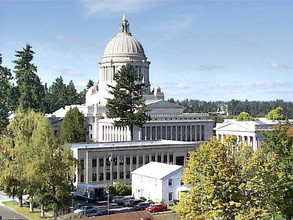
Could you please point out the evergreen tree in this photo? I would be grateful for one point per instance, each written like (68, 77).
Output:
(29, 87)
(72, 95)
(127, 107)
(58, 92)
(5, 95)
(73, 128)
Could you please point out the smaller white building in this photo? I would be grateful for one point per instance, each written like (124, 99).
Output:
(157, 182)
(250, 132)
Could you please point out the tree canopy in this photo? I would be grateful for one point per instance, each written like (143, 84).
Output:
(34, 162)
(220, 183)
(127, 107)
(29, 87)
(73, 128)
(6, 96)
(244, 116)
(276, 114)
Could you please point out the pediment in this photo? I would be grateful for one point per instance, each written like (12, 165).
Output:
(163, 104)
(233, 127)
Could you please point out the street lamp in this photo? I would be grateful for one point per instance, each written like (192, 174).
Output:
(111, 181)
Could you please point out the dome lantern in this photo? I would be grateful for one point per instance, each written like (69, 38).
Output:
(124, 25)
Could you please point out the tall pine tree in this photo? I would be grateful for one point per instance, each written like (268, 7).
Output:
(5, 94)
(29, 87)
(127, 107)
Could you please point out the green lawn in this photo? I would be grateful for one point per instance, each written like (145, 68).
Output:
(25, 210)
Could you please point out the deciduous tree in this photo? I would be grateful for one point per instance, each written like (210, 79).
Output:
(276, 114)
(219, 184)
(244, 116)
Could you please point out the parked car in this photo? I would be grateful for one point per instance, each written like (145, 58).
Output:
(89, 209)
(116, 198)
(157, 208)
(141, 206)
(132, 202)
(86, 210)
(101, 212)
(121, 201)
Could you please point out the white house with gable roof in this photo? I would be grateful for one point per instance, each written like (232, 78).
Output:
(157, 182)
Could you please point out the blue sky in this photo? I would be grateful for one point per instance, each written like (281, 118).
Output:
(199, 49)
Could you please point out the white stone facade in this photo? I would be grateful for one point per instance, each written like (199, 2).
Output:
(98, 168)
(167, 119)
(250, 132)
(157, 182)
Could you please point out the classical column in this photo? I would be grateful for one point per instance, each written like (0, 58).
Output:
(137, 161)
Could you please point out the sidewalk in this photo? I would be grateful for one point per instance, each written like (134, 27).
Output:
(5, 198)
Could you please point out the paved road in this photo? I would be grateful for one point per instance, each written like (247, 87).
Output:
(7, 213)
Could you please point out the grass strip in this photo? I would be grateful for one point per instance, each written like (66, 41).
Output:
(25, 210)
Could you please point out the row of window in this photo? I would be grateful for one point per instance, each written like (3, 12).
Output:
(135, 160)
(180, 133)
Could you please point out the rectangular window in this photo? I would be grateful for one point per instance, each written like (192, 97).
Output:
(121, 176)
(153, 158)
(165, 158)
(128, 175)
(164, 132)
(159, 158)
(127, 160)
(108, 176)
(115, 175)
(101, 162)
(101, 176)
(133, 160)
(171, 158)
(94, 162)
(170, 182)
(170, 196)
(140, 160)
(81, 162)
(94, 177)
(147, 159)
(81, 178)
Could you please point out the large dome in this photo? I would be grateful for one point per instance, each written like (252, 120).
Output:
(124, 43)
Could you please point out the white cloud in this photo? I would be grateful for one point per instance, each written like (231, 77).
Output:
(273, 84)
(178, 85)
(63, 38)
(80, 84)
(94, 6)
(275, 65)
(209, 67)
(65, 71)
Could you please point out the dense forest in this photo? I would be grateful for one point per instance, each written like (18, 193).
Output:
(235, 107)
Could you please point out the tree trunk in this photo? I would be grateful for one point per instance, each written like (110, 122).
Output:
(20, 200)
(32, 204)
(288, 217)
(42, 211)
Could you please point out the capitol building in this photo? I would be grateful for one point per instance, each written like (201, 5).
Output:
(167, 137)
